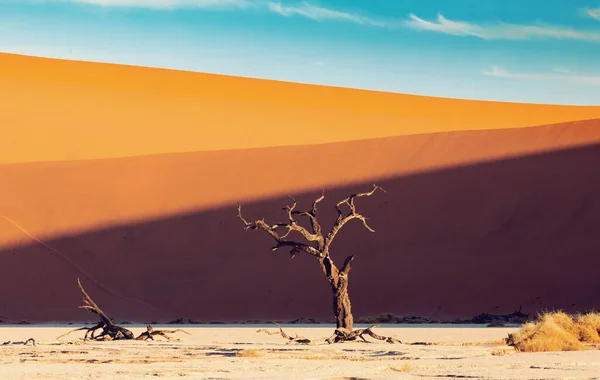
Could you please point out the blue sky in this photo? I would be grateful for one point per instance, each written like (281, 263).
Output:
(530, 51)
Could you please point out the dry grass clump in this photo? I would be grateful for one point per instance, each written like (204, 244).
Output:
(501, 352)
(589, 326)
(557, 331)
(407, 367)
(249, 354)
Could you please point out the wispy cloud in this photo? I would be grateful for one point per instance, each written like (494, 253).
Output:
(319, 13)
(559, 74)
(497, 31)
(299, 9)
(165, 4)
(593, 13)
(441, 24)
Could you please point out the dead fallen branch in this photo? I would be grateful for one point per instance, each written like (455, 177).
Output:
(295, 339)
(344, 335)
(150, 333)
(28, 342)
(340, 335)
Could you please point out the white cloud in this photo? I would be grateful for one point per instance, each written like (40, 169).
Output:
(165, 4)
(500, 30)
(563, 75)
(303, 9)
(563, 70)
(318, 13)
(593, 13)
(488, 31)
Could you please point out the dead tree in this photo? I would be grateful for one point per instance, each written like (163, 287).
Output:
(318, 245)
(110, 331)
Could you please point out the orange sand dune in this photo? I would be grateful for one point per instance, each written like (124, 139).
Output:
(53, 110)
(472, 221)
(57, 198)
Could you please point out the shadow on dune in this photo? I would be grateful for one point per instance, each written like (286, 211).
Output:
(451, 243)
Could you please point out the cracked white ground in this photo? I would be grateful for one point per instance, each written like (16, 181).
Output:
(241, 353)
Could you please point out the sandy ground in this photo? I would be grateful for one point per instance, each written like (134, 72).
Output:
(241, 353)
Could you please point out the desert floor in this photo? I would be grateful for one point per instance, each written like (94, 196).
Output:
(242, 353)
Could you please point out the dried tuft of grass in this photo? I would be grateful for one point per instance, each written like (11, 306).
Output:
(557, 331)
(404, 368)
(249, 354)
(589, 326)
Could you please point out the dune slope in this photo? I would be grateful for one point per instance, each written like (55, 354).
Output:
(472, 221)
(54, 110)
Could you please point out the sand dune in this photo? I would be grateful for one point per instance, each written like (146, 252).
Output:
(473, 221)
(53, 110)
(61, 198)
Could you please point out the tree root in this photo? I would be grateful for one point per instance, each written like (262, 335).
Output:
(28, 342)
(340, 335)
(294, 339)
(344, 335)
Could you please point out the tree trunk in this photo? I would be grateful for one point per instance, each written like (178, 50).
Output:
(342, 308)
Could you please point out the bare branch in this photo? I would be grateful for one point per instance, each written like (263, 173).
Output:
(314, 223)
(344, 335)
(72, 331)
(150, 333)
(342, 218)
(314, 206)
(290, 209)
(91, 306)
(294, 226)
(295, 246)
(239, 214)
(260, 225)
(28, 342)
(346, 267)
(341, 222)
(296, 339)
(368, 194)
(110, 331)
(316, 236)
(350, 200)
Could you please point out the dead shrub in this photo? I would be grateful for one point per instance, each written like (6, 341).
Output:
(407, 367)
(557, 331)
(589, 325)
(249, 354)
